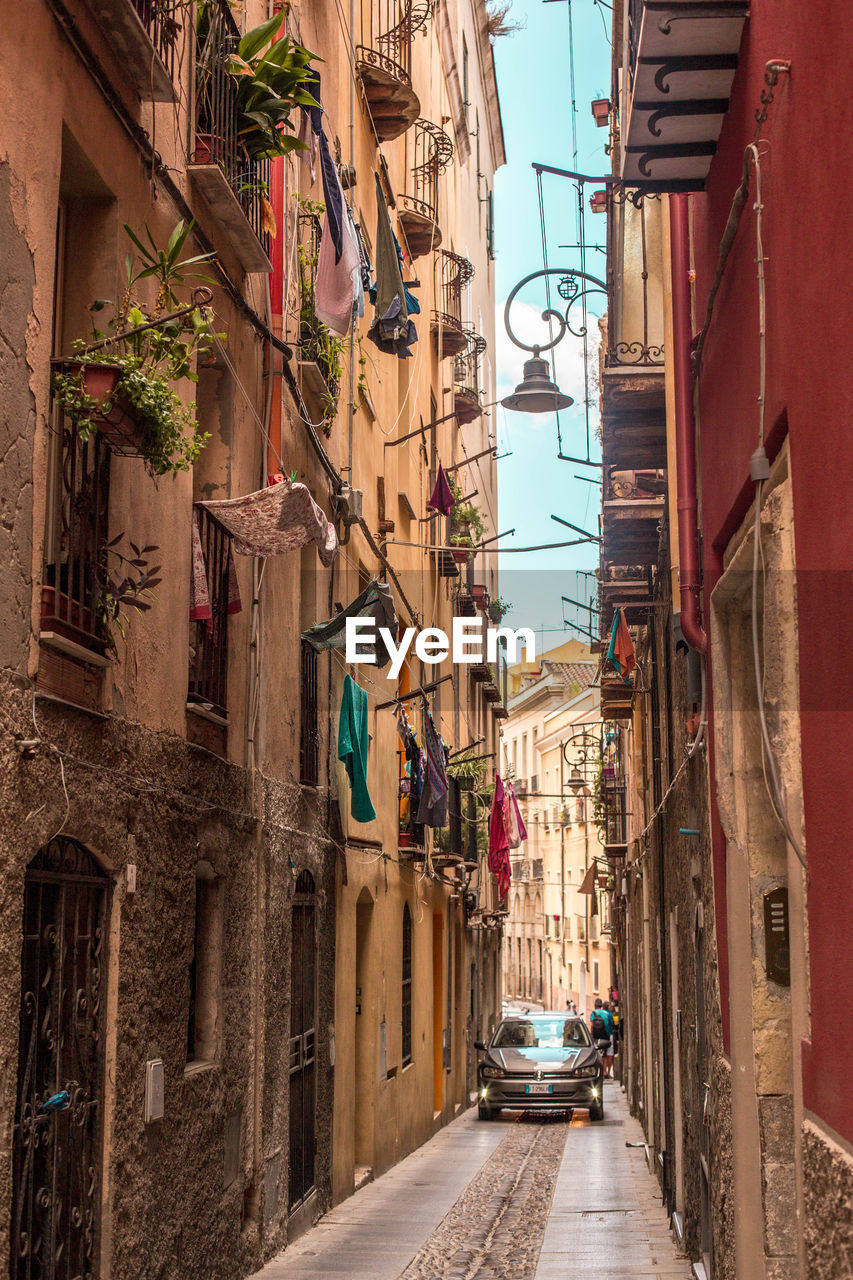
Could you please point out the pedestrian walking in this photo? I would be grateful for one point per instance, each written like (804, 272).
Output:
(601, 1026)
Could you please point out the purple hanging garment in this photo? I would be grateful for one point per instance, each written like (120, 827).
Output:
(442, 495)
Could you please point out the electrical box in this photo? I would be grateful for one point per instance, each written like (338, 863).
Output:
(777, 942)
(350, 502)
(155, 1090)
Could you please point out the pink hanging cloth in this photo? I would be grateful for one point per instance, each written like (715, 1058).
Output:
(442, 495)
(499, 864)
(276, 520)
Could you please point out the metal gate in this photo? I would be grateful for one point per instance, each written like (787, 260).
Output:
(302, 1041)
(56, 1138)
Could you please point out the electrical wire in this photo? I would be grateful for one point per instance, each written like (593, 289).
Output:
(773, 784)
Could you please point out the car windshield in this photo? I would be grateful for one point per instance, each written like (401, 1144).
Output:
(547, 1032)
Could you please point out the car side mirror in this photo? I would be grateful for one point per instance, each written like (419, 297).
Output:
(479, 1044)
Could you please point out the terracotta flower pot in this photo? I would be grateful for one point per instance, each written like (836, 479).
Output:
(117, 423)
(405, 840)
(460, 555)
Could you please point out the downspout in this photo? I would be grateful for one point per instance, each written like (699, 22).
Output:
(690, 584)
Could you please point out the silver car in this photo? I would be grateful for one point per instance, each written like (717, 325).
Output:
(540, 1062)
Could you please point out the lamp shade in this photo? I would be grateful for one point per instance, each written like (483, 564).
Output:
(536, 393)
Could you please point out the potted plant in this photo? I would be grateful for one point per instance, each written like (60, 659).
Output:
(271, 76)
(497, 609)
(481, 595)
(601, 112)
(121, 382)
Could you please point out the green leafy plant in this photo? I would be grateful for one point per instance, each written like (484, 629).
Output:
(271, 76)
(124, 583)
(470, 771)
(150, 353)
(316, 340)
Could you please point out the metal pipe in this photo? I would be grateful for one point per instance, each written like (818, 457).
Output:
(685, 443)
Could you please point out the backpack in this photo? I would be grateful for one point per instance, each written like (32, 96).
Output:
(599, 1028)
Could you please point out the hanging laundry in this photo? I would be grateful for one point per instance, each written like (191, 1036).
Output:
(392, 330)
(337, 285)
(442, 498)
(499, 863)
(310, 123)
(515, 828)
(201, 593)
(412, 305)
(276, 520)
(620, 652)
(432, 810)
(333, 196)
(353, 742)
(374, 602)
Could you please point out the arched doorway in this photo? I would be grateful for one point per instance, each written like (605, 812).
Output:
(56, 1156)
(303, 1019)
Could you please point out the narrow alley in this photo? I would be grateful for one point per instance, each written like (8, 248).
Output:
(521, 1198)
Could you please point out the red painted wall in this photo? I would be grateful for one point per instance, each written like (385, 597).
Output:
(808, 238)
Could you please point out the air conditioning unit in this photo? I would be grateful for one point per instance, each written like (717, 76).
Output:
(534, 785)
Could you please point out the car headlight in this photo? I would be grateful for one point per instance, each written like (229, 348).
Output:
(492, 1073)
(585, 1073)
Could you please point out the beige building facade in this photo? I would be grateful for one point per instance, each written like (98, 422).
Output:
(557, 946)
(249, 1000)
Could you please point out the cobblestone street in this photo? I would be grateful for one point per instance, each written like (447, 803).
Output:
(518, 1199)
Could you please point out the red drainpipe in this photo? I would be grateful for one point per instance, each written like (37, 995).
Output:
(685, 435)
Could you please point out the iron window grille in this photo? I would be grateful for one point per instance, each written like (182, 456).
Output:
(78, 509)
(309, 738)
(208, 680)
(407, 986)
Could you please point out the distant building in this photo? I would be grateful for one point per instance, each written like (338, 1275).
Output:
(557, 943)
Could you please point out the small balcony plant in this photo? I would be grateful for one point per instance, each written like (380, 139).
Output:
(120, 381)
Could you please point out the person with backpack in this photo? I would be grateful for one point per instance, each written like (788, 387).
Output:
(601, 1026)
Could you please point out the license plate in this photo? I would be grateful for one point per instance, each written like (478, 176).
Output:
(538, 1088)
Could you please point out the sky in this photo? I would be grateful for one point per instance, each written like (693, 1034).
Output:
(534, 84)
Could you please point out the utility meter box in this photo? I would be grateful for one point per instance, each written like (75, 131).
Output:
(155, 1090)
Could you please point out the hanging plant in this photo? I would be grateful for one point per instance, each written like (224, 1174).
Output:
(120, 381)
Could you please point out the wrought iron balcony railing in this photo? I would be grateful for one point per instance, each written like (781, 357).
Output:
(454, 274)
(384, 60)
(418, 206)
(160, 20)
(466, 378)
(144, 35)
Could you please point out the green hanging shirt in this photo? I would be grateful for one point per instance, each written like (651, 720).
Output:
(352, 748)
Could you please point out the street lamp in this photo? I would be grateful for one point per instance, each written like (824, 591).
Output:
(536, 393)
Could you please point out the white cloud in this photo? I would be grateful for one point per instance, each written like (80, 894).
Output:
(529, 327)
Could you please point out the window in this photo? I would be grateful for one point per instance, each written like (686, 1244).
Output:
(203, 1016)
(407, 986)
(309, 738)
(207, 689)
(570, 974)
(595, 975)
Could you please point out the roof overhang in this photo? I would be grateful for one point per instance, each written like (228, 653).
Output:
(683, 66)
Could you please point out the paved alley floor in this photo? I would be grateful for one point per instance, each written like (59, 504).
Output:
(521, 1198)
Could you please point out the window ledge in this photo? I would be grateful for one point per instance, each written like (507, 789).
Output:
(55, 641)
(196, 1068)
(207, 713)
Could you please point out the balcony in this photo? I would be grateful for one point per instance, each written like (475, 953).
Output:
(143, 34)
(319, 364)
(467, 400)
(418, 207)
(682, 59)
(449, 334)
(384, 62)
(633, 404)
(634, 505)
(234, 186)
(625, 587)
